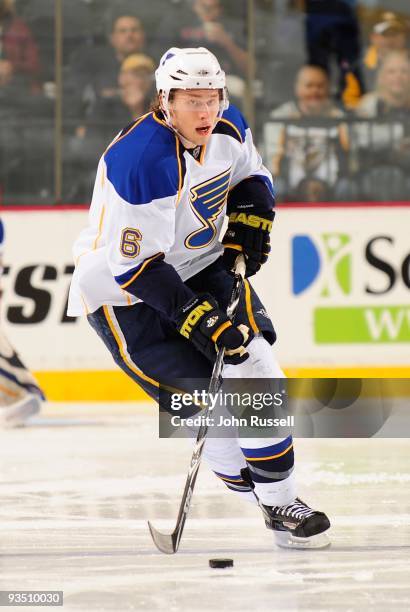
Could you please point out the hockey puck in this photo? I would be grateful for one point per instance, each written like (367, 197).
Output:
(220, 563)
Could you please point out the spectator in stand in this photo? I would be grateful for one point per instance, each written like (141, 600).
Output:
(94, 72)
(136, 83)
(134, 94)
(390, 34)
(202, 24)
(391, 99)
(19, 58)
(23, 159)
(10, 153)
(384, 145)
(6, 73)
(308, 149)
(332, 32)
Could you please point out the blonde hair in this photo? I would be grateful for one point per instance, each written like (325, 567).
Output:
(156, 102)
(137, 61)
(8, 6)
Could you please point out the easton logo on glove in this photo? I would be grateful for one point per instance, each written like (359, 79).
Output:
(248, 234)
(251, 220)
(203, 323)
(194, 316)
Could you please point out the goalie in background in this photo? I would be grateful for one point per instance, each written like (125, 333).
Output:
(20, 395)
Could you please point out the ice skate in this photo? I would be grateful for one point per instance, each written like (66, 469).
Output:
(16, 414)
(296, 525)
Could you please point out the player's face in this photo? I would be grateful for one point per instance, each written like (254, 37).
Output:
(194, 113)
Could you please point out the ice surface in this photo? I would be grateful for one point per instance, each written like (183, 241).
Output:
(79, 484)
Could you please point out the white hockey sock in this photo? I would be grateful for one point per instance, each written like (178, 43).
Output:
(277, 493)
(271, 458)
(261, 363)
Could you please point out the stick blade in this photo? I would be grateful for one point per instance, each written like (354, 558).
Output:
(165, 542)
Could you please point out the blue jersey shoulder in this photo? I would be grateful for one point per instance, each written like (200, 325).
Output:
(1, 232)
(142, 164)
(232, 123)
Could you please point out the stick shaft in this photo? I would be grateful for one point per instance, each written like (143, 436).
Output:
(169, 543)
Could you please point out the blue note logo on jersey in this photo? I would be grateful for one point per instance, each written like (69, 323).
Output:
(207, 201)
(328, 255)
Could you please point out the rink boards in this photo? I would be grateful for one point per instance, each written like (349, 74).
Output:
(337, 287)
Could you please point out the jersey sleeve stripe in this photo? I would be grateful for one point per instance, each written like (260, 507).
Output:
(136, 274)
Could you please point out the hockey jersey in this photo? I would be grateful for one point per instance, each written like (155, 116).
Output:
(157, 211)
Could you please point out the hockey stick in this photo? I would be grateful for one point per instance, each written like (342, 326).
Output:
(169, 542)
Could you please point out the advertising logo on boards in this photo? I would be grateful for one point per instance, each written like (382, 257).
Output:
(327, 260)
(333, 269)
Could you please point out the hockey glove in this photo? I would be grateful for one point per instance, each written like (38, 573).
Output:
(203, 323)
(248, 234)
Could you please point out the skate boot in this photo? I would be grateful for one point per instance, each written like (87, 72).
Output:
(296, 525)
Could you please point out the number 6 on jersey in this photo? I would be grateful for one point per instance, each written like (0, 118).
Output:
(130, 239)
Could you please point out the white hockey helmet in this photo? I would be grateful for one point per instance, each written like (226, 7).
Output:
(190, 68)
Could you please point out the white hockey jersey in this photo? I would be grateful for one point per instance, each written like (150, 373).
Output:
(158, 208)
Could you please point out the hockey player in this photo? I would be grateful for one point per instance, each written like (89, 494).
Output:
(20, 396)
(155, 281)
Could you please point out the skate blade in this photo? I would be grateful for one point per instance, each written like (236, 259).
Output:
(284, 539)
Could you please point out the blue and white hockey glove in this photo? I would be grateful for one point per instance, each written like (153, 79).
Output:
(248, 234)
(203, 323)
